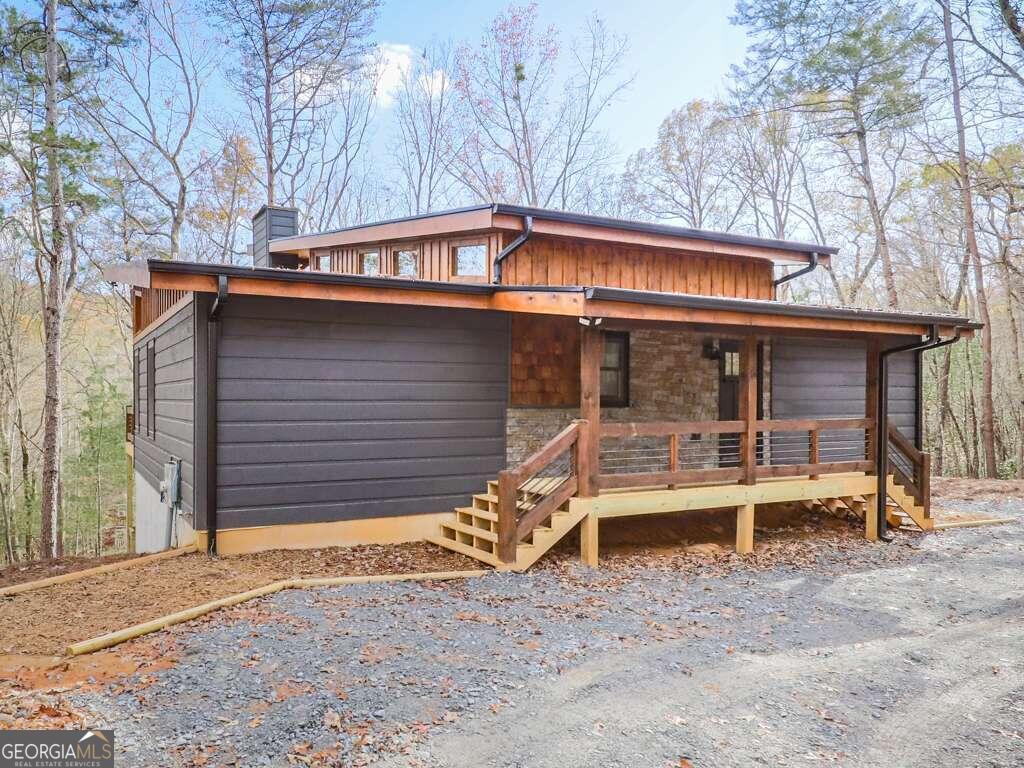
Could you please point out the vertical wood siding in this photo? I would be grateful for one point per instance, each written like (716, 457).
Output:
(172, 419)
(550, 261)
(435, 256)
(331, 411)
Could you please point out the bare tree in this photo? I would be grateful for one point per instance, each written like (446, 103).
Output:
(970, 236)
(425, 146)
(291, 55)
(525, 135)
(688, 175)
(147, 108)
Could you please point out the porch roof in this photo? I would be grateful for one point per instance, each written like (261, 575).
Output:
(579, 301)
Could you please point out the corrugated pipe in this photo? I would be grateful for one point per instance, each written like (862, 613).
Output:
(882, 415)
(508, 249)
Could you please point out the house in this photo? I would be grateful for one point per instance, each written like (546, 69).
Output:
(491, 377)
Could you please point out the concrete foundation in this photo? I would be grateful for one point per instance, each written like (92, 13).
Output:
(151, 521)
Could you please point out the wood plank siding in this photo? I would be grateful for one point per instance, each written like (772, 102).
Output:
(558, 261)
(333, 411)
(434, 256)
(825, 379)
(151, 304)
(553, 261)
(165, 413)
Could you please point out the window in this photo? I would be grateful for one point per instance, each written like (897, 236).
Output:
(407, 263)
(369, 263)
(615, 370)
(731, 363)
(323, 262)
(470, 260)
(151, 388)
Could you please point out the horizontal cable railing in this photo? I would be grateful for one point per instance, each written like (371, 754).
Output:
(676, 453)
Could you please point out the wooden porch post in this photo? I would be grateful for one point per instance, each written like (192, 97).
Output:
(591, 351)
(870, 518)
(877, 431)
(748, 409)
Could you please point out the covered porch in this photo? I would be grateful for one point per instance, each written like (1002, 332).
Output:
(615, 460)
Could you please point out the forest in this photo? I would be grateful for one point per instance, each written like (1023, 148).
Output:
(134, 129)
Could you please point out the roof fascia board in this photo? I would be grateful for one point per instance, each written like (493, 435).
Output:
(652, 298)
(449, 223)
(793, 249)
(135, 273)
(575, 302)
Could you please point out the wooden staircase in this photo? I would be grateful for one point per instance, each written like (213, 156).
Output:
(907, 509)
(473, 531)
(523, 513)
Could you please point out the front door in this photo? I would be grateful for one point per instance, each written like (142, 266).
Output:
(728, 400)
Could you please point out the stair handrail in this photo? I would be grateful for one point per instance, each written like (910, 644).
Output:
(511, 530)
(920, 483)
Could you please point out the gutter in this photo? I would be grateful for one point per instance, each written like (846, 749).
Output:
(509, 249)
(811, 266)
(882, 417)
(212, 354)
(761, 306)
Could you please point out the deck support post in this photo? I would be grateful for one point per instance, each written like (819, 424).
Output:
(745, 529)
(877, 431)
(589, 454)
(589, 539)
(748, 409)
(870, 518)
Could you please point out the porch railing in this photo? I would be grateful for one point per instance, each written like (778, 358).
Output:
(641, 454)
(532, 491)
(911, 468)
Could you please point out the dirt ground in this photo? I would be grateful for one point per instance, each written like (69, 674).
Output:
(816, 650)
(43, 569)
(45, 621)
(819, 648)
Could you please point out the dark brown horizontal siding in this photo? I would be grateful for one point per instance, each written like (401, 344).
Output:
(175, 404)
(826, 379)
(333, 411)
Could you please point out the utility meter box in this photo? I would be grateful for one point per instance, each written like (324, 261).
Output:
(170, 487)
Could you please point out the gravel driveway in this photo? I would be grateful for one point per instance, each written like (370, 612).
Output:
(907, 654)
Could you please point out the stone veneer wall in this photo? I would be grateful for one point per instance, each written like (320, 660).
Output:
(669, 381)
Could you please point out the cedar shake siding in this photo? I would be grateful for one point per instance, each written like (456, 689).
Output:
(330, 411)
(171, 432)
(825, 379)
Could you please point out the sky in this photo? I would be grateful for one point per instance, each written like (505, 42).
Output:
(678, 49)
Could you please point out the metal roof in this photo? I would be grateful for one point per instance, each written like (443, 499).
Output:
(596, 293)
(603, 222)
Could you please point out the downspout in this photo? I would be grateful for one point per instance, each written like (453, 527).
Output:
(511, 247)
(811, 266)
(213, 338)
(882, 417)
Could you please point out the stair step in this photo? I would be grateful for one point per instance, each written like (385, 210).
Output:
(465, 549)
(484, 514)
(471, 530)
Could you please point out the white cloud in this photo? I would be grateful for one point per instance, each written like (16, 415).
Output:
(394, 59)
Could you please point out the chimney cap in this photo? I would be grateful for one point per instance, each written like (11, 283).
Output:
(264, 208)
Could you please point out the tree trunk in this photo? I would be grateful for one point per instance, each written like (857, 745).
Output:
(987, 408)
(53, 299)
(268, 116)
(877, 220)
